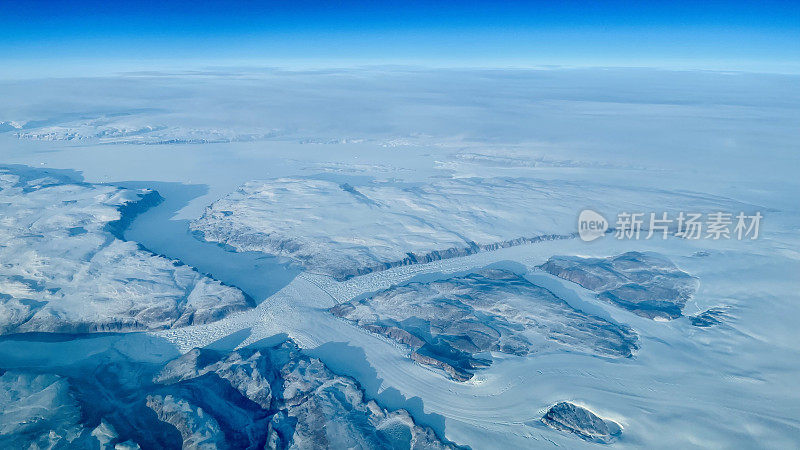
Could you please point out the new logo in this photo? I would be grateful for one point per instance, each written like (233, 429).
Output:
(591, 225)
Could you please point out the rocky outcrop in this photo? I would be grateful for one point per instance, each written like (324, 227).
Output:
(40, 411)
(198, 429)
(565, 416)
(275, 397)
(647, 284)
(271, 397)
(455, 324)
(709, 317)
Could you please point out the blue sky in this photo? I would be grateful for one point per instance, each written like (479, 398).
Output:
(762, 36)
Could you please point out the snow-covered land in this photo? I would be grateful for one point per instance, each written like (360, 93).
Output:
(65, 269)
(38, 412)
(648, 284)
(397, 194)
(454, 323)
(565, 416)
(130, 130)
(260, 397)
(278, 397)
(343, 230)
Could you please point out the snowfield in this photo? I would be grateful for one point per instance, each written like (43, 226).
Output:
(65, 271)
(401, 221)
(125, 130)
(343, 230)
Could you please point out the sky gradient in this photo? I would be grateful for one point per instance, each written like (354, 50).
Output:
(732, 35)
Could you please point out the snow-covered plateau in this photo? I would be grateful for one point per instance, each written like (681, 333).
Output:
(389, 258)
(343, 230)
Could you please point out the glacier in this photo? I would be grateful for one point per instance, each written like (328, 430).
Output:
(372, 182)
